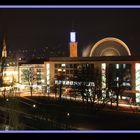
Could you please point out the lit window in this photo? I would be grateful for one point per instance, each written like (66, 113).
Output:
(72, 36)
(124, 66)
(117, 66)
(59, 69)
(63, 65)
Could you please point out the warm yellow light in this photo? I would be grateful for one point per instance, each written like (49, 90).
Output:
(59, 69)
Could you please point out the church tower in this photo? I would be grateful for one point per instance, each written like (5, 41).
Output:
(4, 51)
(73, 45)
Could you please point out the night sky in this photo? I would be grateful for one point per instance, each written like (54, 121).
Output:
(37, 28)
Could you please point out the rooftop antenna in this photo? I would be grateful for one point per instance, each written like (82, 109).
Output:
(3, 38)
(72, 26)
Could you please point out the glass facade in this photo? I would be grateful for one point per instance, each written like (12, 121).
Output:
(119, 75)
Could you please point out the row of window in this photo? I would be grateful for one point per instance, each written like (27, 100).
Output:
(65, 65)
(72, 65)
(64, 71)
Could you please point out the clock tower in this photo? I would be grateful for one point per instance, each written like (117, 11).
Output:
(73, 45)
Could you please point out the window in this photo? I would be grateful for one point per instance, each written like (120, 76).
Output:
(56, 66)
(71, 65)
(63, 65)
(117, 66)
(67, 71)
(56, 71)
(71, 71)
(124, 66)
(75, 65)
(67, 65)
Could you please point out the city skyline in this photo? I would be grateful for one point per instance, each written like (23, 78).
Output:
(41, 28)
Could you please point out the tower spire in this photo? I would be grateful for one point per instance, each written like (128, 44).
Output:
(72, 26)
(4, 51)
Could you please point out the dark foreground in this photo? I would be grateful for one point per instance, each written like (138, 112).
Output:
(43, 113)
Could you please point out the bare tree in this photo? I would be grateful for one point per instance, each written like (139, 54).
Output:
(3, 64)
(29, 77)
(83, 76)
(3, 61)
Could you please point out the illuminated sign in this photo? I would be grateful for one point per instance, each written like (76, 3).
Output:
(74, 83)
(72, 37)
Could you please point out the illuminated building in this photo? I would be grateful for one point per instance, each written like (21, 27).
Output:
(113, 68)
(10, 75)
(31, 73)
(107, 64)
(112, 59)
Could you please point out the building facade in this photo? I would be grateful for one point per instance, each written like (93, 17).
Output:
(107, 65)
(106, 72)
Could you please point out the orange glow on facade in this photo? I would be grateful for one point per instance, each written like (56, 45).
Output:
(73, 49)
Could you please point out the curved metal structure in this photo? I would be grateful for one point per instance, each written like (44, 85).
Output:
(110, 46)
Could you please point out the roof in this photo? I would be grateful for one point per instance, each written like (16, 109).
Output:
(101, 58)
(64, 59)
(33, 61)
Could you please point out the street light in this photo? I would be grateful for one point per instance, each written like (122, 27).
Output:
(67, 119)
(68, 114)
(34, 106)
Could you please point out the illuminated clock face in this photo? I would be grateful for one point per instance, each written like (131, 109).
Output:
(72, 36)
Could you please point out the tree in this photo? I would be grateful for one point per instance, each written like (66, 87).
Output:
(58, 87)
(3, 61)
(29, 77)
(60, 79)
(83, 77)
(118, 79)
